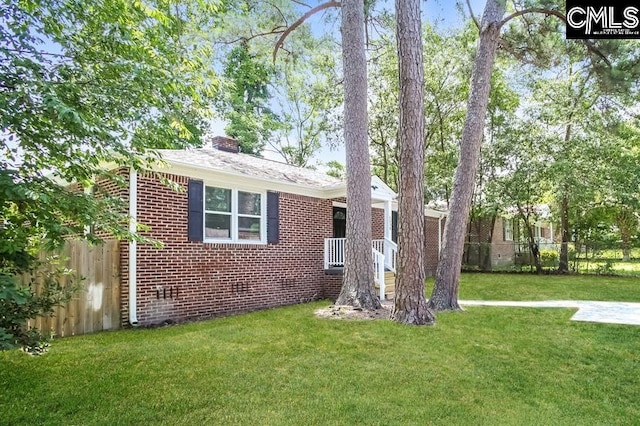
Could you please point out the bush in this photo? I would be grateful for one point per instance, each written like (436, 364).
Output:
(19, 303)
(549, 258)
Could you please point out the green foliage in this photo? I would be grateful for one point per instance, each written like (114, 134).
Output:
(87, 87)
(51, 284)
(288, 106)
(336, 169)
(251, 121)
(606, 268)
(448, 60)
(309, 100)
(549, 258)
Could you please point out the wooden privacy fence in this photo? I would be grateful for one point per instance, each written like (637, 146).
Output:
(96, 307)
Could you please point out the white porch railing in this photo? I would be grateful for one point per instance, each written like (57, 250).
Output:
(384, 254)
(378, 245)
(390, 254)
(334, 252)
(378, 270)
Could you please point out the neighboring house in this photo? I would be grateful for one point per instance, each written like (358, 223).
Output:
(502, 241)
(245, 233)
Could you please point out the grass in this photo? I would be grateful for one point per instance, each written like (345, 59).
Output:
(630, 268)
(284, 366)
(511, 286)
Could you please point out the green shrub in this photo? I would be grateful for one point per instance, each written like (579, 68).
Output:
(606, 268)
(549, 258)
(19, 303)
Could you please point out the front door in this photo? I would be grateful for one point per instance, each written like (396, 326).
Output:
(339, 222)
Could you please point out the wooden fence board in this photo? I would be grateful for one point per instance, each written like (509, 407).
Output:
(96, 307)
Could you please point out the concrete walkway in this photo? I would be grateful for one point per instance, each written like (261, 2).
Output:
(588, 311)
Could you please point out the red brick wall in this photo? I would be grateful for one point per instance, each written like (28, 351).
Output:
(191, 280)
(377, 224)
(502, 252)
(333, 285)
(224, 143)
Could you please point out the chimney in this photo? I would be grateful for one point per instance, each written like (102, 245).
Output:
(225, 143)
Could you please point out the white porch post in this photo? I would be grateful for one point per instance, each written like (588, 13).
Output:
(388, 232)
(387, 220)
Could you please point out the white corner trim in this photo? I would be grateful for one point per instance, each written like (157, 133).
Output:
(133, 213)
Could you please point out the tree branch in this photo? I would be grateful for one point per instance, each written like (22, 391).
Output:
(593, 49)
(300, 21)
(276, 30)
(547, 12)
(473, 16)
(551, 12)
(301, 3)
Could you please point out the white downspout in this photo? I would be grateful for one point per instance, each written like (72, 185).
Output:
(133, 213)
(440, 217)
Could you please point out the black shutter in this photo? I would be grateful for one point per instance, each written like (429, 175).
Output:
(196, 210)
(273, 217)
(394, 227)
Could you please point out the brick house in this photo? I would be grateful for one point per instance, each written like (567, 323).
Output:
(244, 233)
(501, 241)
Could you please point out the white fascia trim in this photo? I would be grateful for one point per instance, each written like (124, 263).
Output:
(428, 212)
(337, 192)
(435, 213)
(382, 192)
(133, 213)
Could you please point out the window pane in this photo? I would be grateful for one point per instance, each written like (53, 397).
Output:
(217, 226)
(217, 199)
(249, 228)
(248, 203)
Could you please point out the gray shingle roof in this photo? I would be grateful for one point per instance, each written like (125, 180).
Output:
(248, 165)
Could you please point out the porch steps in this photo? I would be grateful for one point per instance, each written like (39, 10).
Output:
(389, 285)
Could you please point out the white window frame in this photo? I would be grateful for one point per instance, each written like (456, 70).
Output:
(235, 215)
(508, 229)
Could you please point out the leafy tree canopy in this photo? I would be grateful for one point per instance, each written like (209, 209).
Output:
(83, 84)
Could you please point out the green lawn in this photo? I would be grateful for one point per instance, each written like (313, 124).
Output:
(524, 286)
(284, 366)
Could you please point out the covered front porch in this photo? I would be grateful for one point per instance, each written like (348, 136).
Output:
(383, 250)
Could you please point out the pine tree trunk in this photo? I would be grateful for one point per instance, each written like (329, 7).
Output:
(410, 304)
(563, 264)
(445, 291)
(627, 222)
(358, 289)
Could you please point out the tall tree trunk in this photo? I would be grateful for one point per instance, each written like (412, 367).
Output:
(627, 222)
(357, 288)
(486, 264)
(534, 250)
(445, 290)
(410, 304)
(563, 264)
